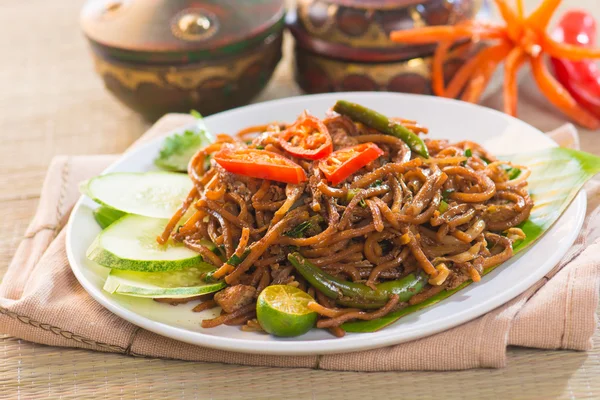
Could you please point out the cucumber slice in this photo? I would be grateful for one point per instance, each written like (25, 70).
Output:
(151, 194)
(130, 244)
(105, 216)
(174, 284)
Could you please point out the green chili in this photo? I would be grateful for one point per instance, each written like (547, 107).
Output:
(353, 294)
(382, 123)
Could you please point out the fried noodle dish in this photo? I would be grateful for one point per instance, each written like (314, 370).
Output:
(357, 210)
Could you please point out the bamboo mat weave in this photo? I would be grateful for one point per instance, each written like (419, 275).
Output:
(52, 103)
(46, 372)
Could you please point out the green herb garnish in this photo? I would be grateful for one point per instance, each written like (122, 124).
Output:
(196, 114)
(468, 153)
(446, 194)
(350, 194)
(443, 207)
(178, 149)
(234, 260)
(298, 230)
(514, 173)
(353, 192)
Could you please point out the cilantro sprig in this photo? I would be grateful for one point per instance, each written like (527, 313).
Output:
(178, 149)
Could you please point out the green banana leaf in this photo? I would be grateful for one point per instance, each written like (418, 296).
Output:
(557, 175)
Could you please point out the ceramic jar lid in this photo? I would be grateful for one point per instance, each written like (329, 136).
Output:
(172, 31)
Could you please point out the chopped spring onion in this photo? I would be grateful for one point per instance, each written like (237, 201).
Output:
(298, 230)
(443, 207)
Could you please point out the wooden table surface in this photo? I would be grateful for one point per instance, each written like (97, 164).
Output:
(51, 102)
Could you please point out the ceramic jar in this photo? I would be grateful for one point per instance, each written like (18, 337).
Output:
(176, 55)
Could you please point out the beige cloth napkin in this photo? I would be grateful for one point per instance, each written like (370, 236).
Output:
(41, 301)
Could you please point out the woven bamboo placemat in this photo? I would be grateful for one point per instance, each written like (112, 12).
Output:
(51, 102)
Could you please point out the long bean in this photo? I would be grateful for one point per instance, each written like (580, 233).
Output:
(383, 124)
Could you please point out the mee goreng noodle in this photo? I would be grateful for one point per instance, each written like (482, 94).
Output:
(356, 210)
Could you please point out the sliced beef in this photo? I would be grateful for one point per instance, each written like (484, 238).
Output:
(235, 297)
(341, 139)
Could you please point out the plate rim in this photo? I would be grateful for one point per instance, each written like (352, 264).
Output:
(323, 346)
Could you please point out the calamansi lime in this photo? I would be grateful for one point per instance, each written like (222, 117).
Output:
(282, 311)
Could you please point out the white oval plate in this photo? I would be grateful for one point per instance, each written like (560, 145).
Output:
(445, 118)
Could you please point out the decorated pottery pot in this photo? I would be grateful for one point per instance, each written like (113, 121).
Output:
(319, 74)
(367, 24)
(165, 56)
(344, 45)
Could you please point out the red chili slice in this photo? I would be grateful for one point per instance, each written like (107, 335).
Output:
(307, 138)
(260, 164)
(344, 162)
